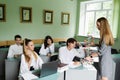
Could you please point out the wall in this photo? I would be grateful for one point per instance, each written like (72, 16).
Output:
(37, 29)
(116, 23)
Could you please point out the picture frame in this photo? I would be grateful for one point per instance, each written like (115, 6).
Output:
(26, 14)
(48, 16)
(65, 18)
(2, 12)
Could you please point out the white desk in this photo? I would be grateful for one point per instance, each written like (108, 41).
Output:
(81, 73)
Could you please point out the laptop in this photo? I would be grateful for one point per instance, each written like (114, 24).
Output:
(47, 69)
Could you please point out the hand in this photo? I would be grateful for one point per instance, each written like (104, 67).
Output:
(76, 63)
(16, 55)
(94, 54)
(48, 54)
(88, 58)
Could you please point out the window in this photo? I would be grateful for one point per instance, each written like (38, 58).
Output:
(90, 11)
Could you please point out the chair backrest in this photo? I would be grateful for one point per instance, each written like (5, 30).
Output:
(114, 51)
(12, 69)
(3, 56)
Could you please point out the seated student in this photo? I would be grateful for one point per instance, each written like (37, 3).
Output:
(68, 53)
(16, 49)
(29, 60)
(47, 47)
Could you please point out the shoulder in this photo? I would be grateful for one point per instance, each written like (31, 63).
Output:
(12, 46)
(22, 57)
(63, 48)
(53, 44)
(43, 44)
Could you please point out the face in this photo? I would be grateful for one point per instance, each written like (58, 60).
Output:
(98, 25)
(72, 45)
(49, 41)
(30, 46)
(18, 41)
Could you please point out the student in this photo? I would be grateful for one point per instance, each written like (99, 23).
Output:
(106, 41)
(15, 50)
(29, 59)
(68, 53)
(47, 47)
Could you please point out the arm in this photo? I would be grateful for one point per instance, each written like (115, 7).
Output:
(52, 48)
(40, 62)
(42, 50)
(10, 53)
(23, 65)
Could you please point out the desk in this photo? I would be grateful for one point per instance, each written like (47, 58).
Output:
(12, 66)
(81, 73)
(50, 77)
(47, 59)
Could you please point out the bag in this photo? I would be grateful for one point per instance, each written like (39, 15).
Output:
(76, 58)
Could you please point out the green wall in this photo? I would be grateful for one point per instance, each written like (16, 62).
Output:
(116, 19)
(37, 29)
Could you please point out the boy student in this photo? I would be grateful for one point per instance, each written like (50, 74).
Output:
(68, 54)
(16, 49)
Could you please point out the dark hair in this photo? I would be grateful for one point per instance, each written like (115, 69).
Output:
(17, 36)
(45, 41)
(71, 40)
(27, 41)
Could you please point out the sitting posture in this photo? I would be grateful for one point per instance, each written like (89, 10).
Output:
(47, 47)
(15, 50)
(68, 54)
(29, 60)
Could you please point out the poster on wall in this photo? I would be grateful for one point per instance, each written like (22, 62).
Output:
(65, 18)
(26, 14)
(2, 12)
(48, 16)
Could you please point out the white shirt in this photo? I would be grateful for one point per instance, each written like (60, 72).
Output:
(66, 56)
(81, 52)
(14, 49)
(44, 51)
(37, 64)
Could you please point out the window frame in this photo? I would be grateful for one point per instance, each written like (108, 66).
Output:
(85, 3)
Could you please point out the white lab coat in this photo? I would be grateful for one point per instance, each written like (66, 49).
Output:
(66, 56)
(44, 51)
(37, 64)
(14, 49)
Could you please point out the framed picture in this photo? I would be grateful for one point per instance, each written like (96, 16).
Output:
(48, 16)
(25, 14)
(2, 12)
(65, 18)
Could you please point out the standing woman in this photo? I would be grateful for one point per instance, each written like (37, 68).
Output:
(47, 47)
(106, 41)
(29, 60)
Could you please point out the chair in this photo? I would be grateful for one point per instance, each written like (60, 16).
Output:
(12, 67)
(3, 56)
(114, 51)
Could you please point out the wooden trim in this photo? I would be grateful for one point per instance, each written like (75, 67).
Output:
(3, 43)
(36, 41)
(10, 42)
(59, 39)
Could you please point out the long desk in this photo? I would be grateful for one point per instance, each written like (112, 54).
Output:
(81, 73)
(78, 73)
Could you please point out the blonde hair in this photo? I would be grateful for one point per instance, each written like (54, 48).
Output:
(27, 58)
(105, 32)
